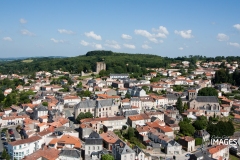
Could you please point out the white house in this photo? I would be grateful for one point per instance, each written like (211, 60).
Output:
(20, 148)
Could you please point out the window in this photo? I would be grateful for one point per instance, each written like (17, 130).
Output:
(93, 147)
(98, 147)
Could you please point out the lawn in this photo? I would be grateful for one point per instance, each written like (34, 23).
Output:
(232, 157)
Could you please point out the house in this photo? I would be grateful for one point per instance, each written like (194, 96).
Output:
(173, 148)
(39, 111)
(121, 151)
(203, 134)
(99, 108)
(107, 123)
(219, 152)
(43, 153)
(109, 138)
(93, 144)
(21, 148)
(141, 155)
(65, 141)
(84, 130)
(119, 76)
(188, 143)
(71, 100)
(69, 154)
(136, 120)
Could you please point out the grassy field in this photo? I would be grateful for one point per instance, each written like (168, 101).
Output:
(232, 157)
(236, 126)
(27, 61)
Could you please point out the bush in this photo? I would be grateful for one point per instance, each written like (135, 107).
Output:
(198, 141)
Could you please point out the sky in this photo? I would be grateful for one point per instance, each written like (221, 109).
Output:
(166, 28)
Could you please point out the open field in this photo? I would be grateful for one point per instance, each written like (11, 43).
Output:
(27, 61)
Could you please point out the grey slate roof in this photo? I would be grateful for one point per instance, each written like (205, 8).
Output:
(130, 113)
(126, 107)
(209, 99)
(86, 104)
(41, 108)
(67, 152)
(139, 150)
(123, 148)
(94, 139)
(104, 102)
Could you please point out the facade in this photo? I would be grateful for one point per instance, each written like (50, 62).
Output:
(188, 143)
(21, 148)
(99, 108)
(93, 144)
(121, 151)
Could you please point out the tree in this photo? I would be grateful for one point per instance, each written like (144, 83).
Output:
(186, 128)
(185, 107)
(130, 132)
(208, 91)
(84, 93)
(83, 116)
(127, 95)
(2, 97)
(145, 88)
(198, 141)
(79, 85)
(5, 155)
(179, 105)
(201, 123)
(107, 157)
(45, 103)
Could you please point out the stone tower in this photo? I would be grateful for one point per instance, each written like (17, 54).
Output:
(100, 66)
(192, 94)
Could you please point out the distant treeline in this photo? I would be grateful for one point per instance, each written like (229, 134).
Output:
(115, 63)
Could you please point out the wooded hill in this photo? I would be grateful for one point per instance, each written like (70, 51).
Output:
(115, 62)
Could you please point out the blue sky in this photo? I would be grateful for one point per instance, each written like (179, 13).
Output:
(165, 28)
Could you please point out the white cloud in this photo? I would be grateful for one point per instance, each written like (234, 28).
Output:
(22, 21)
(7, 39)
(57, 41)
(112, 44)
(93, 35)
(84, 43)
(180, 48)
(98, 46)
(234, 44)
(27, 32)
(237, 26)
(131, 46)
(184, 34)
(161, 32)
(222, 37)
(145, 46)
(125, 36)
(64, 31)
(146, 34)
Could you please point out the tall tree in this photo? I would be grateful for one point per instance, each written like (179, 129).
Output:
(208, 91)
(179, 105)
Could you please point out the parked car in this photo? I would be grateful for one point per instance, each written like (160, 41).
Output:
(5, 144)
(187, 155)
(3, 134)
(3, 138)
(12, 136)
(13, 139)
(10, 131)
